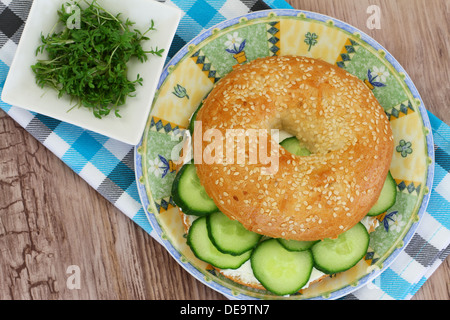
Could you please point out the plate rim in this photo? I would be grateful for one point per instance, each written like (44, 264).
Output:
(429, 142)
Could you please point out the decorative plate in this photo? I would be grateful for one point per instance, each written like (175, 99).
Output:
(191, 74)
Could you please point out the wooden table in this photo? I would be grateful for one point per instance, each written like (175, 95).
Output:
(51, 219)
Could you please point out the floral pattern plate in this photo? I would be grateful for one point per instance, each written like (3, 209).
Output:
(193, 71)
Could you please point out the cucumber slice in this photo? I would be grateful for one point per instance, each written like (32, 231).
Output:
(293, 146)
(189, 194)
(340, 254)
(279, 270)
(293, 245)
(387, 197)
(202, 247)
(193, 117)
(230, 236)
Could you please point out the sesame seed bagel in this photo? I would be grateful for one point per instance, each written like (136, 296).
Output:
(332, 113)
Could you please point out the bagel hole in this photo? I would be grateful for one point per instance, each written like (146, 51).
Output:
(302, 149)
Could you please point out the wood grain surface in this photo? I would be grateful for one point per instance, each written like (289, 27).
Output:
(51, 219)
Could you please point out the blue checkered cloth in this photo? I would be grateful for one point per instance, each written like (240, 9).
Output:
(108, 165)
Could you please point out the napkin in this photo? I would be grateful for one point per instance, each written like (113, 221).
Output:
(108, 165)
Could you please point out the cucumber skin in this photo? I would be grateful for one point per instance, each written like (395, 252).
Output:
(328, 271)
(192, 121)
(378, 212)
(194, 115)
(179, 202)
(312, 243)
(233, 253)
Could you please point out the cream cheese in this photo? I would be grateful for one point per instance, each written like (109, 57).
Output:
(371, 223)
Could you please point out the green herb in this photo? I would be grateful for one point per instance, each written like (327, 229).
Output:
(90, 63)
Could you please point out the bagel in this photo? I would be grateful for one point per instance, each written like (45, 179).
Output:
(332, 113)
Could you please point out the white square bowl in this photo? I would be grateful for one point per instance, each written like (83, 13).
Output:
(21, 90)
